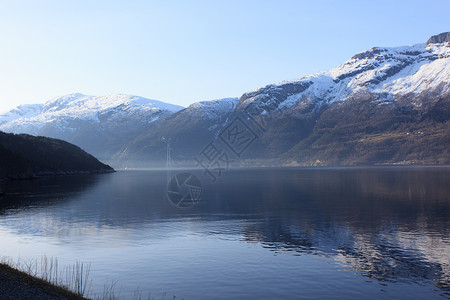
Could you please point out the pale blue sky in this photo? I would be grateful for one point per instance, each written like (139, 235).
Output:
(186, 51)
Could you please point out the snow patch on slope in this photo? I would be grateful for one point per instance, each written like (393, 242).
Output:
(214, 108)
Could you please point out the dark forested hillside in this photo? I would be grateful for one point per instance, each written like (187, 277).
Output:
(23, 156)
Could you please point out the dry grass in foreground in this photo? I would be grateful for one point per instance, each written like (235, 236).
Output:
(31, 279)
(17, 284)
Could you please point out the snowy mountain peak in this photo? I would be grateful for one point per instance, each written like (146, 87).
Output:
(388, 71)
(70, 113)
(61, 102)
(94, 104)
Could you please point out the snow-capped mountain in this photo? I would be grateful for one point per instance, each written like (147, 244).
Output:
(65, 112)
(98, 124)
(389, 72)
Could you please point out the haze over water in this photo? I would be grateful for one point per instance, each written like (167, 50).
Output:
(347, 233)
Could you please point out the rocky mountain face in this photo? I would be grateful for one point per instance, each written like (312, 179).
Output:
(439, 38)
(382, 106)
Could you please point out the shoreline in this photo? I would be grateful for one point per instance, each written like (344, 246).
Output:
(50, 174)
(309, 167)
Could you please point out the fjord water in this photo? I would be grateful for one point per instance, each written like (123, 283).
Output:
(350, 233)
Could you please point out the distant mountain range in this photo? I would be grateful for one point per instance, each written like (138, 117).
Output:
(382, 106)
(99, 125)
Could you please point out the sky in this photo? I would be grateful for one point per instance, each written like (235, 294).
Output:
(183, 51)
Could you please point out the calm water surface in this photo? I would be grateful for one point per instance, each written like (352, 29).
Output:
(255, 234)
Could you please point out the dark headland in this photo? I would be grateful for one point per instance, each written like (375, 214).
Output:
(24, 156)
